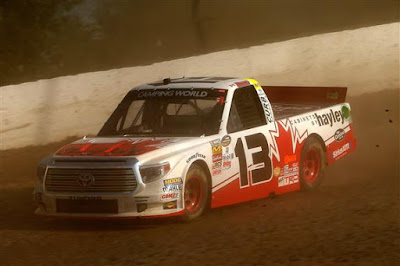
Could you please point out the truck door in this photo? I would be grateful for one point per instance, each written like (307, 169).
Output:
(248, 150)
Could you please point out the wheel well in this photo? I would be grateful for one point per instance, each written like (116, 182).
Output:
(318, 138)
(321, 141)
(204, 166)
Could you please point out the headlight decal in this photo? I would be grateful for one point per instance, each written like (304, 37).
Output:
(150, 173)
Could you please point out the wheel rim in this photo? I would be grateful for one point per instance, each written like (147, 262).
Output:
(193, 194)
(312, 165)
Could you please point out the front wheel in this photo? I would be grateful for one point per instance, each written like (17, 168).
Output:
(312, 164)
(196, 193)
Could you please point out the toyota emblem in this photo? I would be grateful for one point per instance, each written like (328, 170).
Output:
(85, 180)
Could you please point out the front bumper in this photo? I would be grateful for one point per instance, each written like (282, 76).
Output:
(145, 200)
(110, 206)
(59, 193)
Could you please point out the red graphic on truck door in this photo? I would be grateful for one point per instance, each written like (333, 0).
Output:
(270, 172)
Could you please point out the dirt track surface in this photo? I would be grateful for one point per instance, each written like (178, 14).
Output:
(351, 219)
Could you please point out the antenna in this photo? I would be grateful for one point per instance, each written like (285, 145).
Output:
(166, 81)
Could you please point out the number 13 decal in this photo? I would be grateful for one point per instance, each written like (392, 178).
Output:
(262, 171)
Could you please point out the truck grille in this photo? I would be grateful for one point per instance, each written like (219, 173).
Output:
(90, 180)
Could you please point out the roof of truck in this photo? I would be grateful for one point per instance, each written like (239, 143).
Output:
(192, 82)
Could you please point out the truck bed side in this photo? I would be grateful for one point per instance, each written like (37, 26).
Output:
(285, 110)
(290, 101)
(333, 124)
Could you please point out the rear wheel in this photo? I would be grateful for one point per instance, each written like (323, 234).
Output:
(196, 193)
(312, 164)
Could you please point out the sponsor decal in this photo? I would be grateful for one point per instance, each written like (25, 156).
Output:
(217, 165)
(290, 158)
(195, 156)
(173, 181)
(215, 142)
(345, 111)
(228, 157)
(264, 101)
(330, 118)
(341, 150)
(216, 172)
(226, 140)
(85, 198)
(305, 118)
(294, 170)
(217, 149)
(287, 180)
(289, 175)
(339, 134)
(172, 185)
(217, 157)
(227, 160)
(170, 205)
(169, 196)
(172, 188)
(332, 95)
(227, 164)
(266, 106)
(277, 171)
(172, 93)
(216, 146)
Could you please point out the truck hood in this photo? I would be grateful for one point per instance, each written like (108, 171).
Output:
(117, 146)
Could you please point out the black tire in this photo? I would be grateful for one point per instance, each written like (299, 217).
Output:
(196, 193)
(312, 164)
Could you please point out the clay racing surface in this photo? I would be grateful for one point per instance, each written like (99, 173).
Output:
(352, 218)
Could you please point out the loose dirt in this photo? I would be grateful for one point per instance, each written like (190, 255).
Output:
(351, 219)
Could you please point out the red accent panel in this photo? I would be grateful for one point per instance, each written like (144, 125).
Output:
(225, 180)
(232, 193)
(115, 146)
(242, 83)
(287, 157)
(122, 148)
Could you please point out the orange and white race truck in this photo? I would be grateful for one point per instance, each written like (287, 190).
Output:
(180, 146)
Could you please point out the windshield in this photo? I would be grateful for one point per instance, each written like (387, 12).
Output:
(183, 112)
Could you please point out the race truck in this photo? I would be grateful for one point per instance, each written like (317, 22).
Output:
(178, 147)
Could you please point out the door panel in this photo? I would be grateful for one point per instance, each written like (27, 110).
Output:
(250, 163)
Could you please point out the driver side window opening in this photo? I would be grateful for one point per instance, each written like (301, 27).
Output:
(246, 111)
